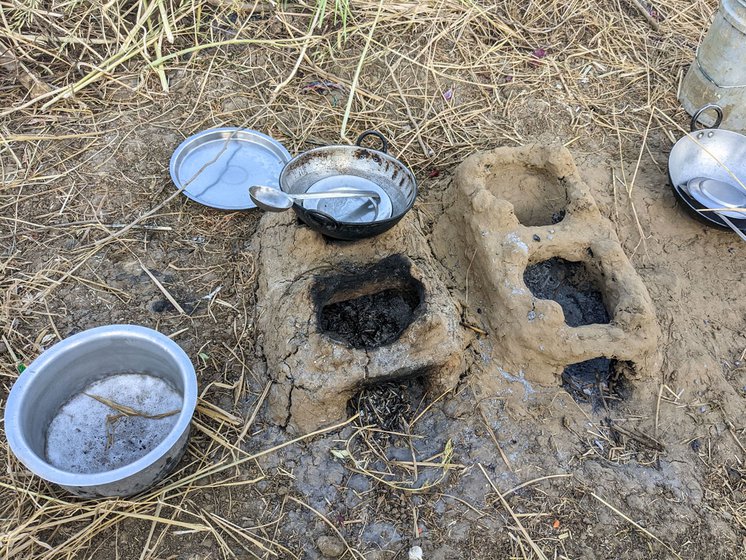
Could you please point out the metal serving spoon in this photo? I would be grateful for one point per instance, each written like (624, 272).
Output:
(275, 200)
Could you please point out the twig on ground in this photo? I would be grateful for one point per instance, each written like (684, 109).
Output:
(163, 289)
(635, 525)
(539, 553)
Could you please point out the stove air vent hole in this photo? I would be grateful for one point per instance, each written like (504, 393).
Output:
(600, 382)
(371, 307)
(571, 285)
(390, 405)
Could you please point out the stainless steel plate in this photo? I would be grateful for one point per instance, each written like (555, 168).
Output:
(712, 193)
(216, 167)
(350, 210)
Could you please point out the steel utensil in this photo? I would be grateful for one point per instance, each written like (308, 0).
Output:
(718, 195)
(214, 166)
(66, 371)
(272, 200)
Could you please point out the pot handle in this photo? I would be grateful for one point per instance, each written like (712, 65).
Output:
(384, 143)
(718, 110)
(322, 219)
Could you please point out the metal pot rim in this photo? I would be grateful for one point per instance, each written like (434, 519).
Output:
(20, 389)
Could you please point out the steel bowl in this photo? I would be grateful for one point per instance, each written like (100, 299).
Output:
(66, 371)
(357, 167)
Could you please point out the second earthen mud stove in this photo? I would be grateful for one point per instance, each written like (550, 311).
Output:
(514, 210)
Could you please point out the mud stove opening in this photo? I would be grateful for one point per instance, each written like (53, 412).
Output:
(600, 382)
(538, 196)
(391, 405)
(573, 286)
(368, 307)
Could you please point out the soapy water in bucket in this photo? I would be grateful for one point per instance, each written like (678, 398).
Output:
(112, 423)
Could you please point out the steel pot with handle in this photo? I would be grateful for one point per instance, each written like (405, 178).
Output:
(330, 168)
(714, 155)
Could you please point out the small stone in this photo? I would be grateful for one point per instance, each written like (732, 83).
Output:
(209, 507)
(636, 502)
(330, 547)
(235, 103)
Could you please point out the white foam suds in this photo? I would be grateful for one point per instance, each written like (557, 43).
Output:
(88, 436)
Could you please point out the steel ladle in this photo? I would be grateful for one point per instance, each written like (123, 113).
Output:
(275, 200)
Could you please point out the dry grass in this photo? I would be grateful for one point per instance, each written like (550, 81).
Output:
(96, 94)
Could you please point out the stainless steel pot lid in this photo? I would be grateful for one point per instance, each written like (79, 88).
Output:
(713, 193)
(216, 167)
(350, 210)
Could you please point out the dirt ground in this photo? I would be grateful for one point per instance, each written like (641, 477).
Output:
(88, 219)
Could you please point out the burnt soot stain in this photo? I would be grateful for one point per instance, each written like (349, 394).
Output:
(369, 307)
(601, 382)
(572, 286)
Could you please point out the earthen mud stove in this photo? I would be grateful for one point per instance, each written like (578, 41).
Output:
(336, 317)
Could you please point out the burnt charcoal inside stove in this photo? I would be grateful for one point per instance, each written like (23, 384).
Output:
(572, 286)
(371, 307)
(600, 382)
(391, 405)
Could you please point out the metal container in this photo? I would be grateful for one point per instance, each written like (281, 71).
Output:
(68, 373)
(334, 167)
(718, 73)
(710, 154)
